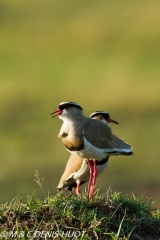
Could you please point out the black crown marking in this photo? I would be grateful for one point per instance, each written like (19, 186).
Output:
(64, 105)
(103, 113)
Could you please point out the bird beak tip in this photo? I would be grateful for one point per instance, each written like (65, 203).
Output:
(56, 113)
(112, 121)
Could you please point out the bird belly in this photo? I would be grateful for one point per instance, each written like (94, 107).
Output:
(84, 172)
(100, 168)
(90, 151)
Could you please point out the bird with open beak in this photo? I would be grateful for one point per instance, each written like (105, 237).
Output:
(88, 139)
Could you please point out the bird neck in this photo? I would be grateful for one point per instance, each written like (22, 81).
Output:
(72, 126)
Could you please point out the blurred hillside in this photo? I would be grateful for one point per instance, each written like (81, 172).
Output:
(104, 55)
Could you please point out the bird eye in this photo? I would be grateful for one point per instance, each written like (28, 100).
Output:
(100, 117)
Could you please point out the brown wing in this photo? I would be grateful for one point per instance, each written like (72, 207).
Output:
(73, 165)
(101, 136)
(119, 143)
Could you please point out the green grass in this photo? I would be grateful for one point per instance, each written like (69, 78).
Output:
(105, 56)
(109, 215)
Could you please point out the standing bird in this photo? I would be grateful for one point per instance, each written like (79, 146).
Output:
(88, 138)
(76, 172)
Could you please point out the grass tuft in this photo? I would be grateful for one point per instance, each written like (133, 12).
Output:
(109, 215)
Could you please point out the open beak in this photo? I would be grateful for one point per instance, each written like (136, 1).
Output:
(56, 113)
(111, 121)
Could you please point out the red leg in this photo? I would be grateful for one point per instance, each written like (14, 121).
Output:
(78, 189)
(95, 173)
(90, 184)
(94, 176)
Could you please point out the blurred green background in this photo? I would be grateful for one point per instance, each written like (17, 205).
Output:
(104, 55)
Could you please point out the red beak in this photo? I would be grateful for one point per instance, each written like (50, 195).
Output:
(56, 113)
(111, 121)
